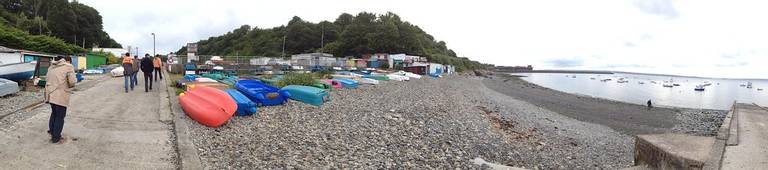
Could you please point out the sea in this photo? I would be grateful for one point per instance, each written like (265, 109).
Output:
(639, 88)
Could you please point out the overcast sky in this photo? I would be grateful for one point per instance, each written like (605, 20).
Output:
(714, 38)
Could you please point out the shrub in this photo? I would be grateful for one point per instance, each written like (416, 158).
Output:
(304, 79)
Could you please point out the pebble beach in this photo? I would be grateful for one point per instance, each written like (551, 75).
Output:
(425, 123)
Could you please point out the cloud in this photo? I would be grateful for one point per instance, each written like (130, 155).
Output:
(657, 7)
(627, 66)
(565, 63)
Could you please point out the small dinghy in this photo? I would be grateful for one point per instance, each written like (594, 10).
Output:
(334, 83)
(306, 94)
(208, 106)
(262, 94)
(8, 87)
(245, 107)
(347, 83)
(369, 81)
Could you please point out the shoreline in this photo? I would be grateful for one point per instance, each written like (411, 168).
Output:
(629, 118)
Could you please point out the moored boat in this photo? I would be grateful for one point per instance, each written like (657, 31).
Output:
(208, 106)
(699, 88)
(306, 94)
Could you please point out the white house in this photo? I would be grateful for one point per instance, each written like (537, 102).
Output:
(115, 51)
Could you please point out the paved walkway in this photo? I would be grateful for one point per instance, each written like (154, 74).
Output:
(107, 129)
(752, 149)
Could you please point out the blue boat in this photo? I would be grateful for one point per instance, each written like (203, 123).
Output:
(306, 94)
(347, 83)
(245, 107)
(261, 93)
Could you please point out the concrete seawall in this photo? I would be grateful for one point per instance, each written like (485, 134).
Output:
(739, 144)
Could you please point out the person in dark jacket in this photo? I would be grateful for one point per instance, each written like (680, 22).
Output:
(128, 71)
(147, 67)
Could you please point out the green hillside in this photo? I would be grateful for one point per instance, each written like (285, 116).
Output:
(348, 35)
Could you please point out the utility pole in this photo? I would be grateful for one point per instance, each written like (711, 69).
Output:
(153, 44)
(283, 46)
(322, 36)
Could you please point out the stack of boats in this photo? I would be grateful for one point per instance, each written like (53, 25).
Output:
(212, 103)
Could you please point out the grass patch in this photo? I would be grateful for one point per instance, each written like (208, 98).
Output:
(304, 79)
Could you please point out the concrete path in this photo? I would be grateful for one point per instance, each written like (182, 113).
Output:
(106, 129)
(752, 149)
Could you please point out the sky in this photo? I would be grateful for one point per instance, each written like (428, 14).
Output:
(710, 38)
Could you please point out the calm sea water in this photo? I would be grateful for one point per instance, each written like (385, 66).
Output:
(719, 95)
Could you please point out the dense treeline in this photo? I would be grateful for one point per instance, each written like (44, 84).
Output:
(18, 39)
(72, 22)
(348, 35)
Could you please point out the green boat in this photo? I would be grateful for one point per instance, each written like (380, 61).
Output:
(377, 77)
(322, 85)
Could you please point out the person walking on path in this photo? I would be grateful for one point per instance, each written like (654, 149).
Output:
(147, 67)
(158, 64)
(136, 66)
(60, 81)
(127, 71)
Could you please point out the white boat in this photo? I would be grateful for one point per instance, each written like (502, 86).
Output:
(622, 80)
(591, 78)
(408, 74)
(368, 81)
(604, 80)
(640, 82)
(397, 77)
(706, 83)
(667, 85)
(749, 85)
(699, 88)
(17, 71)
(117, 72)
(8, 87)
(653, 82)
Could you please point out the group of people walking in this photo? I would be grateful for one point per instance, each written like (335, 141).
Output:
(147, 65)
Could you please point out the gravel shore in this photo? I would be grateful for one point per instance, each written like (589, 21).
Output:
(428, 123)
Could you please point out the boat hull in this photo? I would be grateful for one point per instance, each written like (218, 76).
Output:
(18, 71)
(245, 107)
(306, 94)
(262, 94)
(208, 106)
(8, 87)
(347, 83)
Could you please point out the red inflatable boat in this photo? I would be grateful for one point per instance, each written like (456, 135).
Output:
(208, 106)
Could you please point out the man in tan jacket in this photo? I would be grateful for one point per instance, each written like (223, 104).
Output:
(60, 81)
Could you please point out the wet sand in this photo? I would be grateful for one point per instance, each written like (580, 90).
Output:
(624, 117)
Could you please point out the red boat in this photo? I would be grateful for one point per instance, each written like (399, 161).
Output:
(208, 106)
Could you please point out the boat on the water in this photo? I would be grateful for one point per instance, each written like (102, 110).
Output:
(306, 94)
(605, 80)
(699, 88)
(245, 106)
(8, 87)
(261, 93)
(640, 82)
(675, 84)
(666, 84)
(749, 85)
(347, 83)
(17, 71)
(208, 106)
